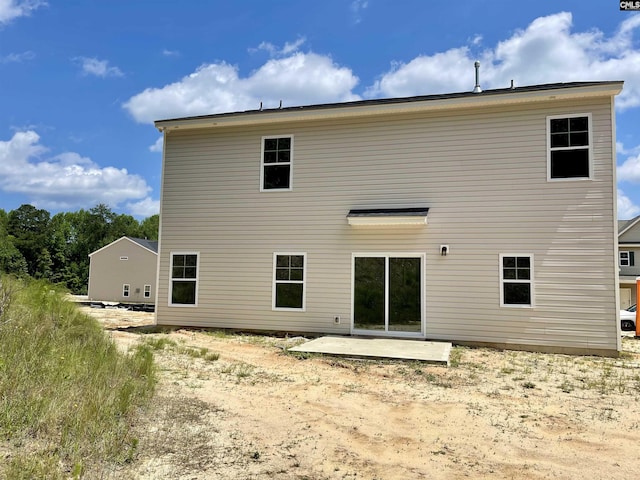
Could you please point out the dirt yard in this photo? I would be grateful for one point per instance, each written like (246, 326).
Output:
(259, 412)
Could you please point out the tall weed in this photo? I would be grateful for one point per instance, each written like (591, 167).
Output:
(67, 394)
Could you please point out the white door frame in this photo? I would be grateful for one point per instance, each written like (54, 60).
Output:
(387, 256)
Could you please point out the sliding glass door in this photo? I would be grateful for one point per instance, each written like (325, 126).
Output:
(387, 293)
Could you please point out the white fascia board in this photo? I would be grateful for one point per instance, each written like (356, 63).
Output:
(410, 106)
(382, 221)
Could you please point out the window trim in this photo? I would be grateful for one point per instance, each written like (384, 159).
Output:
(303, 282)
(146, 291)
(589, 147)
(628, 259)
(126, 290)
(531, 280)
(196, 280)
(262, 164)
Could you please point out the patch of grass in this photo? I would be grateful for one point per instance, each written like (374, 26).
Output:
(300, 355)
(455, 356)
(162, 343)
(566, 386)
(240, 370)
(159, 343)
(218, 333)
(68, 396)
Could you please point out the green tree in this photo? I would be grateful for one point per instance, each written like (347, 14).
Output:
(149, 227)
(11, 260)
(4, 219)
(29, 227)
(123, 226)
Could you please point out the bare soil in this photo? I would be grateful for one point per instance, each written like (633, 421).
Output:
(260, 412)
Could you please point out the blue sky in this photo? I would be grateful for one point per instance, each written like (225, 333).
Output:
(82, 81)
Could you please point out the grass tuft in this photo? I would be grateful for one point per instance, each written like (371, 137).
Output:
(68, 396)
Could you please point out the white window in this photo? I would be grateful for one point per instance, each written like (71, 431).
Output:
(124, 258)
(125, 290)
(147, 291)
(289, 270)
(627, 259)
(569, 147)
(516, 280)
(184, 278)
(276, 163)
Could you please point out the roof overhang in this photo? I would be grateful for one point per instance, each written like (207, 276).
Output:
(628, 279)
(366, 108)
(632, 223)
(414, 216)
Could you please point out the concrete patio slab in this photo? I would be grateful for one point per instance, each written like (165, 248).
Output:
(431, 352)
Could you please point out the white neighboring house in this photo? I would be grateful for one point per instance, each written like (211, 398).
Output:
(479, 218)
(124, 271)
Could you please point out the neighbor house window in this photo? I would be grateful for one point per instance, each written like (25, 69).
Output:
(125, 290)
(124, 258)
(627, 259)
(569, 147)
(276, 163)
(147, 291)
(184, 279)
(288, 281)
(516, 280)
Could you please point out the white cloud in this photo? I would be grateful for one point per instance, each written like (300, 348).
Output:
(64, 181)
(622, 150)
(18, 57)
(10, 9)
(170, 53)
(157, 146)
(357, 7)
(629, 171)
(99, 68)
(546, 51)
(298, 79)
(626, 207)
(274, 51)
(476, 40)
(144, 208)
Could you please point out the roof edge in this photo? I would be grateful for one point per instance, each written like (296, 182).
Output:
(502, 96)
(131, 239)
(631, 223)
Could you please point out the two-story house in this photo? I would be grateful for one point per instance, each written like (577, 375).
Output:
(628, 252)
(479, 218)
(124, 271)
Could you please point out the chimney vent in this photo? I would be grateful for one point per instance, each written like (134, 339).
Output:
(477, 88)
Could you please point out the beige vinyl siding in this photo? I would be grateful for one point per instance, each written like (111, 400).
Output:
(108, 274)
(483, 174)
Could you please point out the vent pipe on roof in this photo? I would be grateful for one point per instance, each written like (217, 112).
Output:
(477, 88)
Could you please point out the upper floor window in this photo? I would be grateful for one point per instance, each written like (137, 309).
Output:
(516, 279)
(276, 163)
(627, 259)
(569, 147)
(184, 279)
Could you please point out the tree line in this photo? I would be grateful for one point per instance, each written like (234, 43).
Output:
(35, 244)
